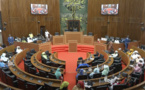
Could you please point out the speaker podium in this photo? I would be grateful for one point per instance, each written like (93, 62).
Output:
(72, 45)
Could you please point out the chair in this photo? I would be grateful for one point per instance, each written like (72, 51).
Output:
(32, 51)
(98, 75)
(111, 71)
(4, 72)
(56, 33)
(83, 66)
(32, 70)
(94, 63)
(90, 34)
(11, 80)
(49, 87)
(101, 56)
(103, 87)
(51, 76)
(81, 77)
(80, 58)
(43, 73)
(31, 86)
(21, 84)
(119, 87)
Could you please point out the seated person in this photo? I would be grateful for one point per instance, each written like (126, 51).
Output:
(31, 35)
(17, 39)
(134, 55)
(116, 41)
(98, 40)
(129, 53)
(2, 64)
(79, 86)
(137, 68)
(105, 71)
(44, 55)
(112, 81)
(82, 64)
(64, 84)
(4, 58)
(81, 72)
(29, 39)
(24, 39)
(58, 74)
(1, 47)
(18, 49)
(114, 55)
(140, 60)
(95, 71)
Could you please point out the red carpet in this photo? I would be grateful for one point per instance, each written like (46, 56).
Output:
(71, 65)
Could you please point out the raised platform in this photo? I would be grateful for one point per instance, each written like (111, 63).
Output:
(80, 48)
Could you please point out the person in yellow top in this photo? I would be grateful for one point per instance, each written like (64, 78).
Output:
(64, 85)
(44, 55)
(130, 52)
(31, 35)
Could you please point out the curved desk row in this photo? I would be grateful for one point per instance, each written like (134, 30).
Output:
(35, 61)
(88, 59)
(54, 59)
(3, 86)
(140, 86)
(30, 77)
(8, 49)
(108, 62)
(127, 70)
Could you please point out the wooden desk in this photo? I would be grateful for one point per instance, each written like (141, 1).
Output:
(117, 46)
(27, 45)
(3, 86)
(127, 70)
(131, 44)
(137, 87)
(98, 47)
(87, 40)
(58, 40)
(8, 49)
(35, 61)
(73, 36)
(45, 46)
(30, 77)
(72, 45)
(54, 58)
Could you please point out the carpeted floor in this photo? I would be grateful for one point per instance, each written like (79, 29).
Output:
(71, 65)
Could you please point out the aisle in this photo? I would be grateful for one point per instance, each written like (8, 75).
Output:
(71, 65)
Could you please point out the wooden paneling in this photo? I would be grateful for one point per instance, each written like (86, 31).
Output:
(127, 22)
(20, 21)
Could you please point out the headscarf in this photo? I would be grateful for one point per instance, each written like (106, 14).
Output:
(106, 70)
(64, 84)
(81, 84)
(58, 73)
(96, 70)
(137, 68)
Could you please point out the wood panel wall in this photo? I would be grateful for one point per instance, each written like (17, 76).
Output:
(127, 22)
(20, 21)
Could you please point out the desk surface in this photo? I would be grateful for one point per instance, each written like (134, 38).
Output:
(137, 87)
(30, 77)
(35, 61)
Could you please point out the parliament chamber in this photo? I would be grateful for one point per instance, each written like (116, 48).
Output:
(72, 44)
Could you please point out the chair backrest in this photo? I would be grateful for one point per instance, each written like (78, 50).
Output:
(81, 77)
(21, 84)
(97, 53)
(111, 71)
(56, 33)
(31, 86)
(51, 76)
(80, 58)
(98, 75)
(94, 63)
(83, 67)
(103, 87)
(43, 73)
(119, 87)
(101, 56)
(32, 70)
(48, 87)
(90, 34)
(10, 79)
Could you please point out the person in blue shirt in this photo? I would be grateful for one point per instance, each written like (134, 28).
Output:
(81, 72)
(82, 64)
(10, 40)
(2, 64)
(126, 41)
